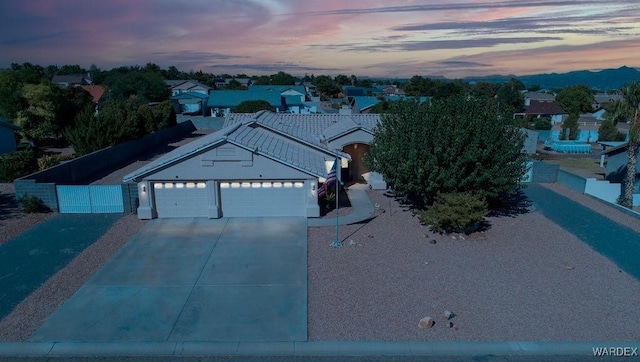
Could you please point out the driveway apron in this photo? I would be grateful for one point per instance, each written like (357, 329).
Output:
(195, 279)
(617, 242)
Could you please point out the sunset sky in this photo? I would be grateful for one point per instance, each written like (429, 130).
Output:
(391, 38)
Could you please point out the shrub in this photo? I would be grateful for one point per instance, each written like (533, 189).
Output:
(48, 161)
(455, 212)
(16, 164)
(33, 204)
(542, 124)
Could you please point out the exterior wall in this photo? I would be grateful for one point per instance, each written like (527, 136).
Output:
(215, 165)
(574, 182)
(85, 168)
(358, 136)
(44, 191)
(7, 140)
(530, 142)
(545, 172)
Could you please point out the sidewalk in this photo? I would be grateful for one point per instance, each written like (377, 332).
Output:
(362, 209)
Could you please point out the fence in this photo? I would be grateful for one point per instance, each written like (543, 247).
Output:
(83, 170)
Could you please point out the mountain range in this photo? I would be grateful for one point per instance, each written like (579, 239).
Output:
(603, 80)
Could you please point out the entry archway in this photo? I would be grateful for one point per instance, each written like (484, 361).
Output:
(356, 166)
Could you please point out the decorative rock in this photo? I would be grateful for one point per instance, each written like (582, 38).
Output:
(569, 267)
(352, 243)
(450, 324)
(449, 314)
(426, 323)
(433, 241)
(453, 237)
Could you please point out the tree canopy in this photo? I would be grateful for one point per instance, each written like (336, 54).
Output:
(576, 99)
(253, 106)
(457, 144)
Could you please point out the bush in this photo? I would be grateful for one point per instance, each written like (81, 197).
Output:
(542, 124)
(16, 164)
(48, 161)
(455, 212)
(32, 204)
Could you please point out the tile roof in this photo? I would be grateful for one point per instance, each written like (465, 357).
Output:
(321, 126)
(96, 91)
(539, 107)
(255, 139)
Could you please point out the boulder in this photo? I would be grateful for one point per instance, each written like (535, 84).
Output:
(426, 323)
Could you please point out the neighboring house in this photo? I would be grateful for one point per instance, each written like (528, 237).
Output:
(281, 98)
(72, 80)
(96, 91)
(191, 103)
(600, 100)
(538, 97)
(262, 164)
(616, 169)
(539, 109)
(353, 91)
(363, 104)
(190, 86)
(7, 137)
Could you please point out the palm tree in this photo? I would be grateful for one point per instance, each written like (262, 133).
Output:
(630, 107)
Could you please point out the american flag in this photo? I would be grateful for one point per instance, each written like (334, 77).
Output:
(331, 178)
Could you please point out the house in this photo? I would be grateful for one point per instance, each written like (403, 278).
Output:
(190, 86)
(616, 169)
(72, 79)
(281, 98)
(353, 91)
(262, 164)
(7, 137)
(96, 91)
(191, 103)
(539, 109)
(600, 100)
(538, 97)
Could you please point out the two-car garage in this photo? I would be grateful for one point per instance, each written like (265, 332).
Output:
(236, 198)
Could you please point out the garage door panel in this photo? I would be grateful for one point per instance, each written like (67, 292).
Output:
(263, 199)
(180, 199)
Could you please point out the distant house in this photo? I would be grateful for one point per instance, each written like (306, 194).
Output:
(7, 137)
(616, 169)
(352, 91)
(538, 96)
(282, 98)
(190, 86)
(600, 100)
(191, 103)
(72, 80)
(539, 109)
(96, 91)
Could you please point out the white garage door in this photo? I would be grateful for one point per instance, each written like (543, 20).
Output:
(181, 199)
(263, 198)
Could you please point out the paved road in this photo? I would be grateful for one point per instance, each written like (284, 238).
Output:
(195, 279)
(615, 241)
(32, 257)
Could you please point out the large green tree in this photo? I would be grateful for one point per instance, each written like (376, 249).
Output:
(38, 118)
(457, 144)
(576, 99)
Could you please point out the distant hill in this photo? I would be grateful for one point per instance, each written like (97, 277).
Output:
(607, 79)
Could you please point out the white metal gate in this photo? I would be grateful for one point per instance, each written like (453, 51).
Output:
(91, 199)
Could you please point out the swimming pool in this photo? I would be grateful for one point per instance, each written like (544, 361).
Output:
(571, 147)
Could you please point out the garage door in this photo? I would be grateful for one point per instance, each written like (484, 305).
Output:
(181, 199)
(263, 198)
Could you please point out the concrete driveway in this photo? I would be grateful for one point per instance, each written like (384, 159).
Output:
(228, 280)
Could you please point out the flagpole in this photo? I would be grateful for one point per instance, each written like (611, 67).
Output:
(337, 243)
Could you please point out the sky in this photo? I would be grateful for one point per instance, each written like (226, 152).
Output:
(374, 38)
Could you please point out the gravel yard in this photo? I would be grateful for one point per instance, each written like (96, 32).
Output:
(12, 220)
(524, 278)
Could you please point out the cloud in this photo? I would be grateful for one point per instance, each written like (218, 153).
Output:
(270, 68)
